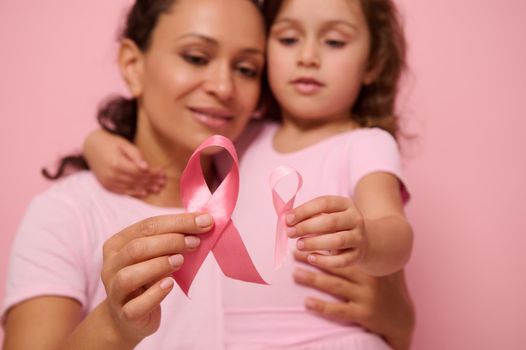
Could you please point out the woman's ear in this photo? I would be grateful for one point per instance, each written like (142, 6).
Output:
(131, 65)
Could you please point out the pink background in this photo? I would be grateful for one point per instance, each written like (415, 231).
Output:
(465, 98)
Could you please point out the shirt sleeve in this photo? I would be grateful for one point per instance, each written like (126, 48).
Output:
(375, 150)
(46, 255)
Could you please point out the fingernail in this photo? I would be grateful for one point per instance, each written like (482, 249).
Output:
(300, 244)
(300, 274)
(167, 283)
(192, 241)
(290, 218)
(203, 220)
(142, 164)
(312, 258)
(291, 231)
(176, 260)
(310, 304)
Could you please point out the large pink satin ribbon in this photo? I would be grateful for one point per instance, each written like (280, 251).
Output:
(282, 207)
(224, 240)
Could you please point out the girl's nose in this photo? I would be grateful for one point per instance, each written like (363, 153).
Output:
(220, 82)
(309, 55)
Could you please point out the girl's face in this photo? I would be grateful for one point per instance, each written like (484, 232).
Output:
(201, 73)
(318, 58)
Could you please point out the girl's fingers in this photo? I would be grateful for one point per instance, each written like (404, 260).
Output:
(134, 277)
(333, 285)
(147, 302)
(132, 153)
(342, 259)
(324, 204)
(325, 223)
(331, 241)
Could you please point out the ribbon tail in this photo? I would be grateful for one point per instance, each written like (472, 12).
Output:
(233, 258)
(280, 248)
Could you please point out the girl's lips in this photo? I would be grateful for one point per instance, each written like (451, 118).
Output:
(307, 86)
(212, 117)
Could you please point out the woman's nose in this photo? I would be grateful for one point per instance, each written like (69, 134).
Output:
(220, 82)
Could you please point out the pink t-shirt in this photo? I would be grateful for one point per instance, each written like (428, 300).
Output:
(258, 316)
(58, 251)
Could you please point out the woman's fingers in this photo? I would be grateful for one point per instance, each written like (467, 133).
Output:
(148, 302)
(342, 312)
(351, 273)
(145, 248)
(327, 223)
(336, 286)
(186, 223)
(131, 278)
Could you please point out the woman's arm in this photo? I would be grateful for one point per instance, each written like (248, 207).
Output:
(380, 304)
(136, 264)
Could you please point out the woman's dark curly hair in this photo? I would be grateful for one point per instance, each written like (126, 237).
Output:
(375, 105)
(118, 115)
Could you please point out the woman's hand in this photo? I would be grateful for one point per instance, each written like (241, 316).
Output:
(382, 305)
(119, 165)
(137, 263)
(331, 229)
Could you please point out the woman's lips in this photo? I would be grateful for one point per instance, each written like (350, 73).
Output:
(307, 86)
(212, 117)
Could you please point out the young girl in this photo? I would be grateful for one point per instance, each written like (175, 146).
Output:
(334, 71)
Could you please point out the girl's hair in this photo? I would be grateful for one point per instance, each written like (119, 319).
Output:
(375, 105)
(118, 114)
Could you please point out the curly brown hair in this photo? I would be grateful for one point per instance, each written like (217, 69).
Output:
(375, 105)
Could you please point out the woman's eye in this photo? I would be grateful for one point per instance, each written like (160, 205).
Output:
(288, 41)
(248, 72)
(197, 60)
(335, 43)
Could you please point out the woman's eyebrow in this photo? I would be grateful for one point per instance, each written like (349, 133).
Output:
(214, 42)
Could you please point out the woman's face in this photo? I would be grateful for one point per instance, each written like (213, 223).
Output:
(201, 74)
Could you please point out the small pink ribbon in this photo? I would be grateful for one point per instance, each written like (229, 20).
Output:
(282, 207)
(223, 240)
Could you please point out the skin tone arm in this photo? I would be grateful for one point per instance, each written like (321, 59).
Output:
(119, 165)
(380, 304)
(370, 232)
(137, 263)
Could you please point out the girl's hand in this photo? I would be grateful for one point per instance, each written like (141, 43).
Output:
(137, 264)
(331, 229)
(380, 304)
(119, 165)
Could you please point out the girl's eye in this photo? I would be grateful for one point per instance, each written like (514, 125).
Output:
(196, 60)
(248, 72)
(335, 43)
(288, 41)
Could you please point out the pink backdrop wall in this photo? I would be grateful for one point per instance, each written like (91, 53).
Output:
(465, 98)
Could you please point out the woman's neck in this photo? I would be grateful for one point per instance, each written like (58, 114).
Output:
(296, 134)
(172, 160)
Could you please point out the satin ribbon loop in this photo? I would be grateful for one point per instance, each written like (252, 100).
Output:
(281, 207)
(224, 239)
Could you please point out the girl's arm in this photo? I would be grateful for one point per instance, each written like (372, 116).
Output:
(382, 305)
(136, 264)
(119, 165)
(370, 231)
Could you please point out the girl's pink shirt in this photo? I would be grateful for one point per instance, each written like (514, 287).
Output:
(258, 316)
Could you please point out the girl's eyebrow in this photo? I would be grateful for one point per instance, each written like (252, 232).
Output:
(214, 42)
(326, 24)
